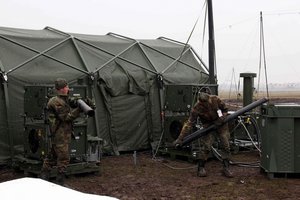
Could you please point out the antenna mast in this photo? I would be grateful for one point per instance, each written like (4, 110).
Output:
(211, 44)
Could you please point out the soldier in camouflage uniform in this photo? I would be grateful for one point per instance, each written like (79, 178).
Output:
(60, 116)
(207, 109)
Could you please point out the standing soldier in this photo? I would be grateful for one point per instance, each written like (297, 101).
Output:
(60, 116)
(211, 110)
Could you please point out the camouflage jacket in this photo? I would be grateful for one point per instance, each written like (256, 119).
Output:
(207, 110)
(61, 116)
(207, 113)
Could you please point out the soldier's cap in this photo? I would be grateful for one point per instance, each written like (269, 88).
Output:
(60, 83)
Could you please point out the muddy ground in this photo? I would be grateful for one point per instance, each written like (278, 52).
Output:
(161, 177)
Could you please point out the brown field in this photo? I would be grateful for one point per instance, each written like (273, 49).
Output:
(274, 97)
(272, 94)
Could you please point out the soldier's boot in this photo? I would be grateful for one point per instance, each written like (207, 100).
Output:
(226, 170)
(201, 170)
(45, 175)
(60, 178)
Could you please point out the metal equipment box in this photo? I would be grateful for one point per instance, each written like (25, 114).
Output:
(173, 125)
(280, 132)
(180, 98)
(36, 142)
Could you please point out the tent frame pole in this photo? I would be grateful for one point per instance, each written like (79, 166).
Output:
(115, 56)
(174, 61)
(169, 56)
(40, 54)
(162, 38)
(10, 137)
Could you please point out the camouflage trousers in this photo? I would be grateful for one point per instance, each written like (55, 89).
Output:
(223, 134)
(58, 156)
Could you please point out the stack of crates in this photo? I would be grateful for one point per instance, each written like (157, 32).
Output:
(280, 132)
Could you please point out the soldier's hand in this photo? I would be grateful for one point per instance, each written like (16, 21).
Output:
(90, 103)
(219, 121)
(222, 119)
(73, 102)
(177, 143)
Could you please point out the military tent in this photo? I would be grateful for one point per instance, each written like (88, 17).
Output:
(124, 76)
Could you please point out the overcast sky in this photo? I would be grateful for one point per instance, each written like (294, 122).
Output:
(237, 28)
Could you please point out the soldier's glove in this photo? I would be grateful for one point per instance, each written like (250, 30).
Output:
(219, 121)
(177, 143)
(90, 103)
(73, 102)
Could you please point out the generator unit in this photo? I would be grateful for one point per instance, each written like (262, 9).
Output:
(280, 132)
(172, 125)
(37, 140)
(180, 98)
(178, 102)
(84, 149)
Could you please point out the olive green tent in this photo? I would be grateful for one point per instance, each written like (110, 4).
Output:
(123, 75)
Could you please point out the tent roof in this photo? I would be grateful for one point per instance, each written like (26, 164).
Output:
(23, 50)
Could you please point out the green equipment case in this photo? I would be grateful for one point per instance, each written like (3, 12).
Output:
(280, 131)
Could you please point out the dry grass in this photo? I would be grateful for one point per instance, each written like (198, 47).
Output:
(272, 95)
(235, 102)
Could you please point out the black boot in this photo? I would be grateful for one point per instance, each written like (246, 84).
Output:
(226, 170)
(60, 178)
(201, 170)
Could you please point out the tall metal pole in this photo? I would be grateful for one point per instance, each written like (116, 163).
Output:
(211, 44)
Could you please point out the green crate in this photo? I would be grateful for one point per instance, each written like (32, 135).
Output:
(280, 133)
(281, 110)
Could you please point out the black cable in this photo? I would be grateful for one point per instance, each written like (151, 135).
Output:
(191, 33)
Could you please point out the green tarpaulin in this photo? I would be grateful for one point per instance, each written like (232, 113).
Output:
(121, 73)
